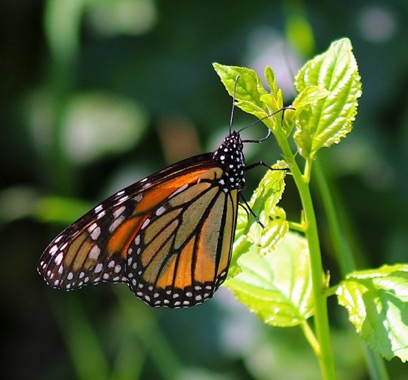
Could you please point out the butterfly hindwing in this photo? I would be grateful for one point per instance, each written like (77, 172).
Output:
(180, 257)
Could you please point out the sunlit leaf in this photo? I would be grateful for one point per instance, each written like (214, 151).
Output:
(250, 94)
(325, 121)
(275, 98)
(377, 303)
(309, 95)
(276, 286)
(247, 90)
(271, 225)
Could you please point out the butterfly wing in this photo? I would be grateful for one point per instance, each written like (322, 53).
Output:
(181, 253)
(169, 237)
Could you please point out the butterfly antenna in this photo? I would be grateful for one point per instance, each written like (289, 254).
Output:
(233, 104)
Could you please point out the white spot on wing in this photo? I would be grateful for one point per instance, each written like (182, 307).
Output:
(58, 259)
(117, 268)
(145, 223)
(94, 252)
(98, 209)
(101, 214)
(160, 211)
(53, 249)
(119, 211)
(98, 268)
(123, 199)
(116, 223)
(179, 190)
(95, 231)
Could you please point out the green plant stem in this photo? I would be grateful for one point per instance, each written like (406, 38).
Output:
(321, 320)
(297, 226)
(311, 337)
(345, 258)
(321, 314)
(340, 243)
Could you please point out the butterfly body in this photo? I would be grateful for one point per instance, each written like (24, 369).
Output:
(168, 237)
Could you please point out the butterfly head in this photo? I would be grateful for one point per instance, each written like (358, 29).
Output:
(231, 157)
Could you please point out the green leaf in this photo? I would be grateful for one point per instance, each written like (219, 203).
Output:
(275, 98)
(271, 80)
(263, 203)
(249, 232)
(309, 95)
(276, 286)
(325, 121)
(377, 303)
(248, 88)
(250, 94)
(303, 101)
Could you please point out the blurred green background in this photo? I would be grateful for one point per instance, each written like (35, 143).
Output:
(97, 94)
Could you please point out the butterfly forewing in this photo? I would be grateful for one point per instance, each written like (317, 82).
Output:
(91, 249)
(168, 236)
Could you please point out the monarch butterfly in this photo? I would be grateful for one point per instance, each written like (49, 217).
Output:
(168, 237)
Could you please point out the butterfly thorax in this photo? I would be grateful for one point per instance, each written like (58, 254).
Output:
(231, 157)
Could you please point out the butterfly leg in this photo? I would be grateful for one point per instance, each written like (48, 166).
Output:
(249, 210)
